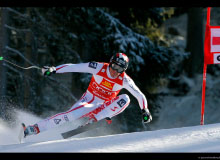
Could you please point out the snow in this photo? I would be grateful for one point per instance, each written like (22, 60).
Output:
(196, 138)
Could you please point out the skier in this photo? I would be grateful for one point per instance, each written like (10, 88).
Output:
(100, 101)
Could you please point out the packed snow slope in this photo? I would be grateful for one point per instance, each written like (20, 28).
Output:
(204, 138)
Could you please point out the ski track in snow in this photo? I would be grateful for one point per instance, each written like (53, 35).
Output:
(199, 139)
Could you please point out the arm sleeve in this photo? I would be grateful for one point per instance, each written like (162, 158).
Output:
(90, 67)
(135, 91)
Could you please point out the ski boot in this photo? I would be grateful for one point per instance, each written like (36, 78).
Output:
(30, 130)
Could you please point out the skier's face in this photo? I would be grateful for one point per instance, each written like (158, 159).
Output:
(113, 73)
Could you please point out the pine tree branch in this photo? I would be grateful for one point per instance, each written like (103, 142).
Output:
(16, 12)
(59, 84)
(74, 52)
(16, 29)
(19, 72)
(20, 54)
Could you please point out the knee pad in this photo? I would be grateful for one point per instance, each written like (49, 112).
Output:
(123, 100)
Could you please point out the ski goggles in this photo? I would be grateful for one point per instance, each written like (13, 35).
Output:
(117, 68)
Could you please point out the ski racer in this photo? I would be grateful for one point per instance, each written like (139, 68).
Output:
(101, 99)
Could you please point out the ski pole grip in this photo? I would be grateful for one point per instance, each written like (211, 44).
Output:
(1, 58)
(47, 73)
(145, 118)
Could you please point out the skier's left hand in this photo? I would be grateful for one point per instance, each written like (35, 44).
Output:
(146, 116)
(47, 71)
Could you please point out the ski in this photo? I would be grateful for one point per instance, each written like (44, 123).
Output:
(81, 129)
(21, 133)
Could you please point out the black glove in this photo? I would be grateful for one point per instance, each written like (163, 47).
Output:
(47, 71)
(146, 116)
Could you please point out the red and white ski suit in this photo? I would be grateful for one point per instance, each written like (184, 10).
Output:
(100, 100)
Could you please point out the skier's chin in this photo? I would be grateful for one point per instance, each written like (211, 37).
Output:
(115, 75)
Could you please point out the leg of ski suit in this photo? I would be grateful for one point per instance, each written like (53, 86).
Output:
(88, 106)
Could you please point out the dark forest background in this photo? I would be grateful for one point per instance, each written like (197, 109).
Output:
(54, 36)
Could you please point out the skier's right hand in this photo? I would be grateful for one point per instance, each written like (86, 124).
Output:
(47, 71)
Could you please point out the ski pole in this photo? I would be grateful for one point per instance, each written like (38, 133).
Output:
(2, 59)
(42, 69)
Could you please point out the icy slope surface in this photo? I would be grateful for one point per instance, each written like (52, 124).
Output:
(186, 139)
